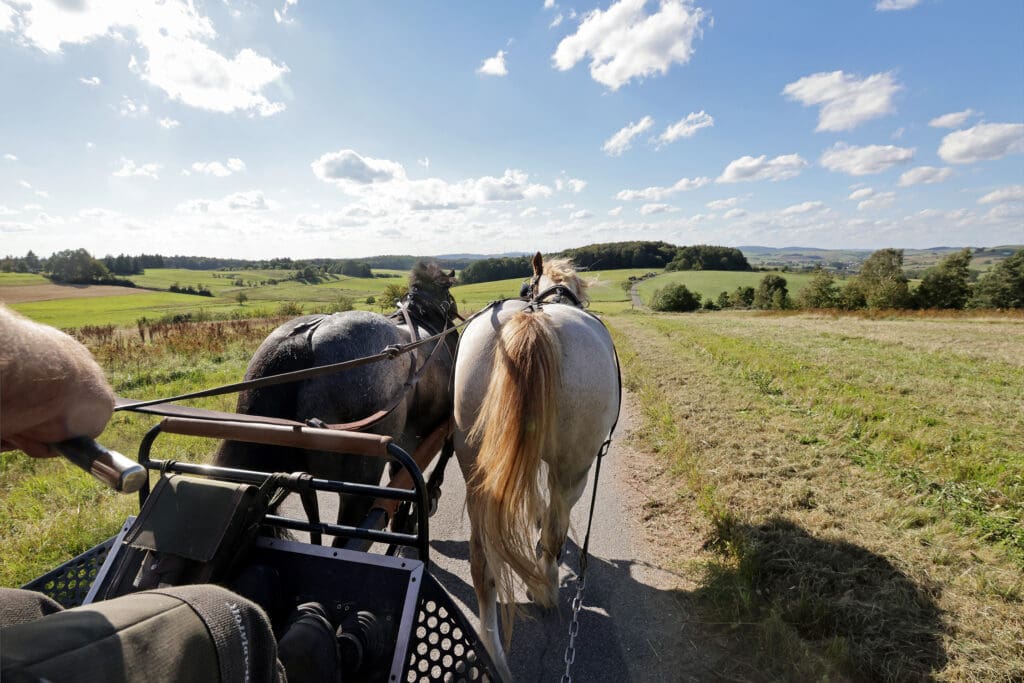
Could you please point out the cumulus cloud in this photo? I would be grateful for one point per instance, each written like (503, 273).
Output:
(556, 22)
(494, 66)
(719, 204)
(10, 157)
(615, 212)
(168, 124)
(1010, 193)
(580, 215)
(846, 101)
(574, 185)
(864, 160)
(217, 169)
(92, 81)
(686, 127)
(925, 175)
(623, 42)
(894, 5)
(424, 162)
(623, 140)
(129, 169)
(238, 202)
(804, 207)
(879, 200)
(5, 211)
(862, 193)
(348, 166)
(659, 193)
(953, 119)
(281, 16)
(762, 168)
(734, 213)
(983, 142)
(131, 108)
(649, 209)
(175, 39)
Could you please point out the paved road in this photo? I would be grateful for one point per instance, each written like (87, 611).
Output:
(634, 622)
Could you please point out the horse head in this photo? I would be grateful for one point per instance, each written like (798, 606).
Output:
(430, 292)
(551, 277)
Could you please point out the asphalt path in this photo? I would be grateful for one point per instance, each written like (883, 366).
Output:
(633, 623)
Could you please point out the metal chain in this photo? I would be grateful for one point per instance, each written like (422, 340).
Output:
(574, 625)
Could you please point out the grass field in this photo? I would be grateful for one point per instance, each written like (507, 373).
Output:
(711, 283)
(856, 482)
(859, 485)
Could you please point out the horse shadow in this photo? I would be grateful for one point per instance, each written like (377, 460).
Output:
(857, 617)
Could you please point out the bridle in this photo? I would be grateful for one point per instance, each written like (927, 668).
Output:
(561, 293)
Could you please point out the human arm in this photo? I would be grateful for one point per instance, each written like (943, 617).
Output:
(51, 389)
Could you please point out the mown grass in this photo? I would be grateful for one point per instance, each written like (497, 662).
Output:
(860, 496)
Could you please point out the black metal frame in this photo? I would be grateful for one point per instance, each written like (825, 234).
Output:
(362, 536)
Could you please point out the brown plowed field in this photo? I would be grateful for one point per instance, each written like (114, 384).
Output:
(24, 293)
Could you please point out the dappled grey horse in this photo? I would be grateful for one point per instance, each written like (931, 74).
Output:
(353, 394)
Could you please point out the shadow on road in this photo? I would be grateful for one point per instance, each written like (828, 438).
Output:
(839, 598)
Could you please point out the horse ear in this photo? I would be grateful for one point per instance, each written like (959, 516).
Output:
(538, 264)
(452, 274)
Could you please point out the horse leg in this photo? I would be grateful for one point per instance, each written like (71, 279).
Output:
(561, 500)
(487, 603)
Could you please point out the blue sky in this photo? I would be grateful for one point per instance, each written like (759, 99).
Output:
(253, 129)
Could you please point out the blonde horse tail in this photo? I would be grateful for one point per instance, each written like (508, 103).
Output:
(513, 430)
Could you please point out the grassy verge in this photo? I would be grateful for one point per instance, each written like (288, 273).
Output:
(860, 497)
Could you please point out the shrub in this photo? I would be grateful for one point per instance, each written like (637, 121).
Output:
(675, 297)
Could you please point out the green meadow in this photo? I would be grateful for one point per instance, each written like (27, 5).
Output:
(711, 283)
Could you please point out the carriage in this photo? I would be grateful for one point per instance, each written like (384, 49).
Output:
(221, 524)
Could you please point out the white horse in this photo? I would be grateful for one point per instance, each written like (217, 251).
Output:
(535, 382)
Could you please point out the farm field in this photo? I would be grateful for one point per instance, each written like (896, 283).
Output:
(888, 450)
(711, 283)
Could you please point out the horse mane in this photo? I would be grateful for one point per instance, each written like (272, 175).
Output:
(562, 272)
(431, 278)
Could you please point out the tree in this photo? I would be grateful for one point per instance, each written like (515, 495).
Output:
(241, 298)
(76, 266)
(946, 285)
(742, 297)
(820, 292)
(675, 297)
(1003, 286)
(882, 282)
(723, 300)
(771, 293)
(392, 293)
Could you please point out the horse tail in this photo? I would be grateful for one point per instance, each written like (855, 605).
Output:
(514, 429)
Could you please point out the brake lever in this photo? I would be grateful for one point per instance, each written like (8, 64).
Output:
(113, 469)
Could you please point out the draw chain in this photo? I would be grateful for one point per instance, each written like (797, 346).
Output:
(581, 577)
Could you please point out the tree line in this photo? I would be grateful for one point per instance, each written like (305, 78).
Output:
(614, 255)
(880, 284)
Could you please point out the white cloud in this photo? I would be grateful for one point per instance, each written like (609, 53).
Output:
(25, 184)
(864, 160)
(130, 107)
(924, 175)
(686, 127)
(4, 211)
(862, 193)
(90, 145)
(953, 119)
(580, 215)
(719, 204)
(33, 207)
(556, 22)
(42, 193)
(805, 207)
(348, 166)
(762, 168)
(529, 212)
(659, 193)
(880, 200)
(846, 101)
(1010, 193)
(549, 4)
(624, 43)
(574, 185)
(176, 40)
(6, 18)
(239, 202)
(10, 157)
(129, 169)
(424, 162)
(217, 169)
(893, 5)
(494, 66)
(649, 209)
(168, 124)
(984, 141)
(281, 16)
(615, 212)
(92, 81)
(734, 213)
(623, 140)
